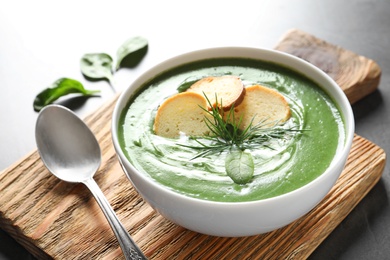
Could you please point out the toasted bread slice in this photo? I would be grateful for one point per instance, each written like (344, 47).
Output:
(182, 113)
(261, 104)
(229, 89)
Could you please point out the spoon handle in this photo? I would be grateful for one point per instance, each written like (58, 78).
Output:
(128, 246)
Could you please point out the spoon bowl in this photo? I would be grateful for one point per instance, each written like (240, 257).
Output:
(67, 146)
(71, 152)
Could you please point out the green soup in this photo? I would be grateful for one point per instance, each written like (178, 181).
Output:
(284, 165)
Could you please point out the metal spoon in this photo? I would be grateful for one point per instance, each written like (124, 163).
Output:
(71, 152)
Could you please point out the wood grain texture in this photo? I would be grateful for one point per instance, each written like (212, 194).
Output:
(54, 219)
(358, 76)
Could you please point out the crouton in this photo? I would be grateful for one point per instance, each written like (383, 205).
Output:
(261, 104)
(182, 114)
(228, 89)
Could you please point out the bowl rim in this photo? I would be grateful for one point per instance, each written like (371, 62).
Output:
(342, 103)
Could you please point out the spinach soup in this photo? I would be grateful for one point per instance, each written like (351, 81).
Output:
(281, 165)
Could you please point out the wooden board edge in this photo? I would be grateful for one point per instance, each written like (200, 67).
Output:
(358, 76)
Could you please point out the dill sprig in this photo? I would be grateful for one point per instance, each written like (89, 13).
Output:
(225, 133)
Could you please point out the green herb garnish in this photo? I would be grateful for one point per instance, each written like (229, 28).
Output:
(226, 135)
(187, 83)
(239, 165)
(59, 88)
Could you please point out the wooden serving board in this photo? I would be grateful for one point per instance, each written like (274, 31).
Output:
(54, 219)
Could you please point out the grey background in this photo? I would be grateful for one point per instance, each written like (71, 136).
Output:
(41, 41)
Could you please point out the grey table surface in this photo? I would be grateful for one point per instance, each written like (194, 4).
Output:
(42, 41)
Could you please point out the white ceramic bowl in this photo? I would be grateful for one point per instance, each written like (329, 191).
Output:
(255, 217)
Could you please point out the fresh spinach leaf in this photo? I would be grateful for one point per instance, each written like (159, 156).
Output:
(131, 52)
(239, 166)
(97, 66)
(60, 88)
